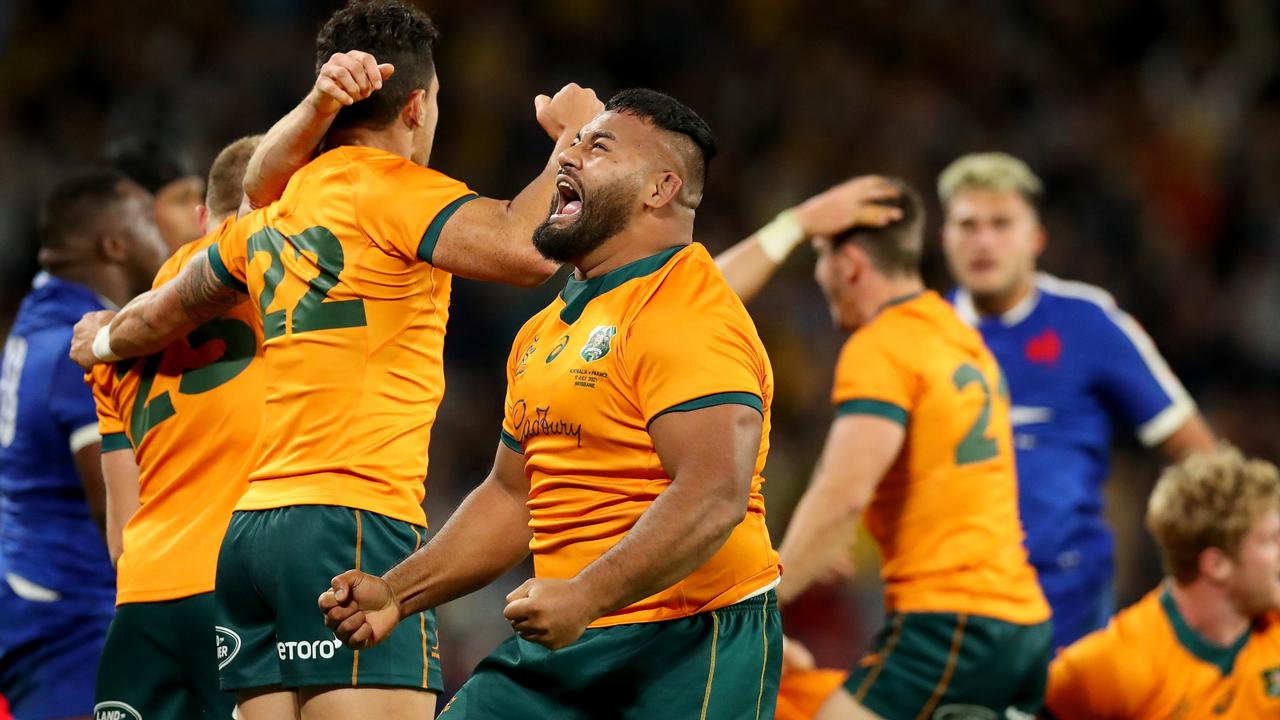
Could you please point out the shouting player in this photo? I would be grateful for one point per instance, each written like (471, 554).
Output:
(921, 442)
(636, 429)
(178, 429)
(1206, 643)
(1075, 362)
(98, 247)
(350, 270)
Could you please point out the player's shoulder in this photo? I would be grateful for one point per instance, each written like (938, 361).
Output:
(681, 280)
(1077, 301)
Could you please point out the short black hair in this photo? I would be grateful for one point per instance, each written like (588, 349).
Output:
(77, 201)
(148, 161)
(392, 32)
(896, 248)
(669, 114)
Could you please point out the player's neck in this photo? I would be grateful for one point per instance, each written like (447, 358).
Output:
(393, 142)
(890, 290)
(106, 281)
(1209, 612)
(634, 243)
(996, 305)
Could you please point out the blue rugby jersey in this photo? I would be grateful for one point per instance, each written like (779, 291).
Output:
(1075, 364)
(49, 544)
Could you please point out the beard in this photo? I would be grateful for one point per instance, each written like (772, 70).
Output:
(605, 216)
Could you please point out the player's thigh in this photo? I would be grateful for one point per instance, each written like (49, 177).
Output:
(840, 705)
(910, 665)
(244, 611)
(138, 677)
(521, 680)
(325, 541)
(720, 665)
(371, 702)
(199, 631)
(267, 703)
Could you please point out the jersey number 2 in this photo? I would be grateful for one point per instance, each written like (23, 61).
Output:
(240, 347)
(976, 446)
(312, 311)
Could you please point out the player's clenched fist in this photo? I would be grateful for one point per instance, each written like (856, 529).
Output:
(568, 111)
(360, 609)
(553, 613)
(82, 337)
(347, 78)
(853, 203)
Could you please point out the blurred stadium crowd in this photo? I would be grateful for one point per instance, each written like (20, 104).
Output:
(1155, 125)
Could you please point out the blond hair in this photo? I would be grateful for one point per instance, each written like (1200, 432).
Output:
(1210, 500)
(226, 177)
(994, 171)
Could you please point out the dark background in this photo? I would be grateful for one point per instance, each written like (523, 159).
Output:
(1155, 125)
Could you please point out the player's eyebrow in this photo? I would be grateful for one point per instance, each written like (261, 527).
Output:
(599, 135)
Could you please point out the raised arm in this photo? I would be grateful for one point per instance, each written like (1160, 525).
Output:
(488, 535)
(748, 265)
(489, 239)
(859, 451)
(710, 455)
(292, 142)
(155, 318)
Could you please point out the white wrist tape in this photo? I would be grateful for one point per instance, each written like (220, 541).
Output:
(102, 345)
(781, 236)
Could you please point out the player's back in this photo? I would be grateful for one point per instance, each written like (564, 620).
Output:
(354, 320)
(1149, 664)
(47, 537)
(191, 414)
(945, 514)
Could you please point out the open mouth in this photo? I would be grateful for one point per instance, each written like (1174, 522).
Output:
(569, 198)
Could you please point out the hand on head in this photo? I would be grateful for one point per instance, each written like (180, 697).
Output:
(347, 78)
(853, 203)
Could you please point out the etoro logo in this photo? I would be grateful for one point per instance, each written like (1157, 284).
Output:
(115, 710)
(228, 645)
(308, 649)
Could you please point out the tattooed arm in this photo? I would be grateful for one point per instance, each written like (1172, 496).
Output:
(158, 317)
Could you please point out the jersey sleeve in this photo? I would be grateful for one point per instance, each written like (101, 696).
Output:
(71, 404)
(686, 350)
(403, 207)
(870, 380)
(1137, 383)
(1089, 680)
(229, 253)
(110, 421)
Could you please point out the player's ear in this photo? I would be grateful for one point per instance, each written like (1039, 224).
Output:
(414, 112)
(113, 247)
(202, 217)
(664, 190)
(853, 261)
(1041, 240)
(1215, 565)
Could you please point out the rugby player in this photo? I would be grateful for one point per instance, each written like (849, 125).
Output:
(178, 432)
(98, 247)
(350, 270)
(921, 445)
(1206, 642)
(635, 432)
(1075, 362)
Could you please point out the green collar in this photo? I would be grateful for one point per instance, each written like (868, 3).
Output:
(577, 293)
(1224, 658)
